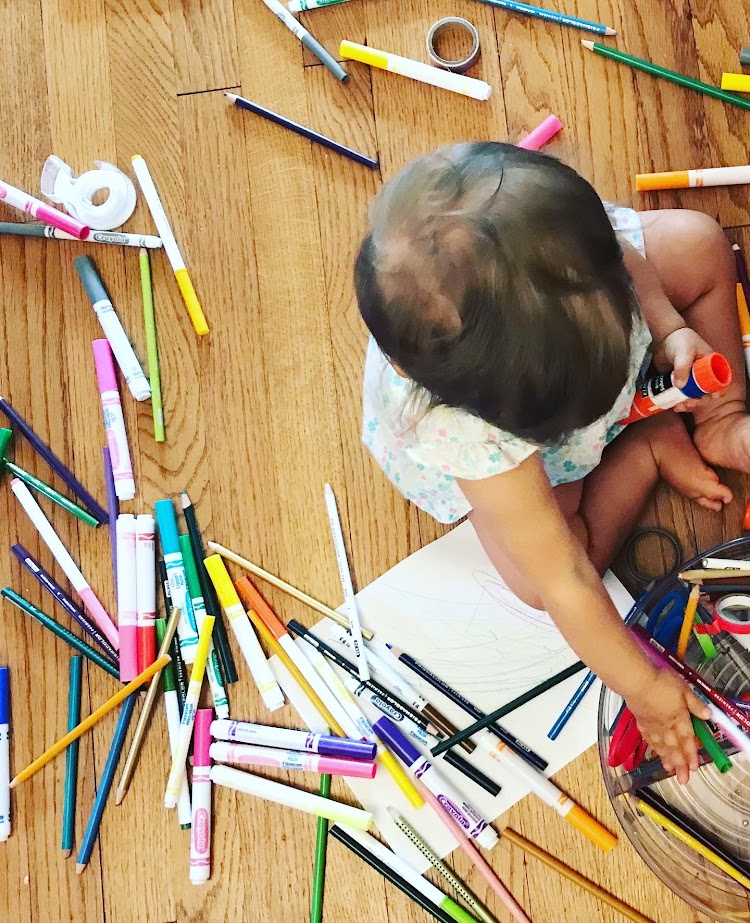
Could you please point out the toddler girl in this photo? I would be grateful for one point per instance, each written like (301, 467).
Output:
(511, 314)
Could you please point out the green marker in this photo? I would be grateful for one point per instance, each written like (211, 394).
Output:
(215, 682)
(299, 6)
(710, 745)
(152, 351)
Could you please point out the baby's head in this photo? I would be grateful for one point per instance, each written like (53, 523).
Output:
(492, 278)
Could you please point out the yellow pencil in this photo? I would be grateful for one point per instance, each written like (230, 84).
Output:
(691, 608)
(666, 824)
(89, 722)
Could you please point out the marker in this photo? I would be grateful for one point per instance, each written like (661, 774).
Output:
(145, 569)
(350, 599)
(738, 83)
(26, 229)
(708, 375)
(4, 753)
(113, 329)
(424, 73)
(312, 44)
(127, 605)
(174, 782)
(114, 422)
(270, 757)
(689, 179)
(172, 711)
(215, 682)
(266, 736)
(21, 200)
(290, 797)
(170, 546)
(200, 833)
(170, 244)
(451, 800)
(243, 631)
(61, 554)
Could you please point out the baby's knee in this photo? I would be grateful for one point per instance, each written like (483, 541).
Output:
(707, 242)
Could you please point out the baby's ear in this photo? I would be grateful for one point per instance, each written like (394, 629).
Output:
(397, 369)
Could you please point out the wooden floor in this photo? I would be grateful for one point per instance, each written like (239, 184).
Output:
(266, 408)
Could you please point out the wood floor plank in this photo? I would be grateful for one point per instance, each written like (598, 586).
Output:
(205, 44)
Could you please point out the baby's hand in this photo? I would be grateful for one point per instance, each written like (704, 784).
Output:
(663, 714)
(678, 352)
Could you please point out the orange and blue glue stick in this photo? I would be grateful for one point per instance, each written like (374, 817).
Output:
(709, 374)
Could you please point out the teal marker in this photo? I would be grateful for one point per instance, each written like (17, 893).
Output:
(187, 630)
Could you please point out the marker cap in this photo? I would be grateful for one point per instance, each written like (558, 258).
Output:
(105, 366)
(591, 828)
(709, 374)
(4, 695)
(167, 674)
(165, 517)
(202, 738)
(5, 437)
(346, 748)
(222, 582)
(90, 277)
(745, 54)
(646, 182)
(395, 741)
(739, 83)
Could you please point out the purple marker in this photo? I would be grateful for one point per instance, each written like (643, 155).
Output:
(451, 800)
(265, 736)
(74, 611)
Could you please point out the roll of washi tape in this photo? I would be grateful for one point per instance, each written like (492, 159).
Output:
(453, 24)
(733, 615)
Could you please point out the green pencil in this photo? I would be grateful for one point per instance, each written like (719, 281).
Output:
(71, 755)
(321, 842)
(61, 632)
(157, 408)
(656, 70)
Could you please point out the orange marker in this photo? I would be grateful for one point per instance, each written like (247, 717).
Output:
(688, 179)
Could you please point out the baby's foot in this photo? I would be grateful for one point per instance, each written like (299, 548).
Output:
(723, 438)
(682, 467)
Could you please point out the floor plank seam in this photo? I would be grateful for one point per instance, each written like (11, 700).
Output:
(209, 90)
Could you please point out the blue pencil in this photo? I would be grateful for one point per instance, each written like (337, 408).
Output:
(71, 755)
(575, 701)
(105, 783)
(562, 19)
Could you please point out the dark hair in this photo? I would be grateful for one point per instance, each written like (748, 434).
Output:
(491, 275)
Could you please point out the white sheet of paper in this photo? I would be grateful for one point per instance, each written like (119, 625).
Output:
(446, 606)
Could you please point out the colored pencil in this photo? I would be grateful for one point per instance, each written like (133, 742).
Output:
(65, 474)
(61, 632)
(437, 863)
(657, 70)
(88, 722)
(421, 891)
(742, 276)
(321, 844)
(467, 846)
(152, 349)
(141, 727)
(285, 587)
(518, 746)
(113, 509)
(687, 621)
(664, 816)
(506, 709)
(561, 19)
(71, 755)
(303, 130)
(575, 700)
(5, 733)
(105, 783)
(60, 596)
(221, 640)
(571, 875)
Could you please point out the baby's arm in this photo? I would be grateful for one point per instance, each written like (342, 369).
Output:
(520, 525)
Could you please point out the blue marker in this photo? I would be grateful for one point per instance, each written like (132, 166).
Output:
(4, 753)
(187, 630)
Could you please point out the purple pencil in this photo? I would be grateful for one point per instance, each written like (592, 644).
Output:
(113, 508)
(74, 611)
(53, 461)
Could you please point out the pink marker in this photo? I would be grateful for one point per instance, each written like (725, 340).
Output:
(114, 423)
(200, 830)
(127, 602)
(26, 203)
(250, 755)
(541, 134)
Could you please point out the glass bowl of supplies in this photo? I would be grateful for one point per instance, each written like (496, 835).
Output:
(694, 837)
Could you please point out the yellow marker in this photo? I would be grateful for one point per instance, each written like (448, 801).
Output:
(170, 244)
(691, 607)
(243, 631)
(740, 83)
(89, 722)
(174, 783)
(684, 837)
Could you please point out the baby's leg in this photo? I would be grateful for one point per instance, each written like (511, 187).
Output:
(694, 261)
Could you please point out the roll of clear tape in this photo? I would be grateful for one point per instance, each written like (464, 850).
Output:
(77, 194)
